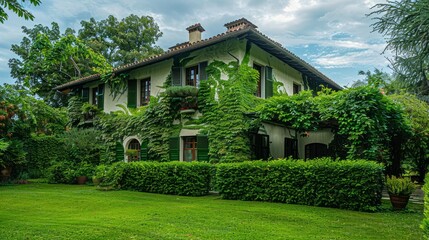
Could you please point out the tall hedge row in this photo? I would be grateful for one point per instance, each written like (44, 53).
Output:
(177, 178)
(354, 185)
(41, 152)
(425, 223)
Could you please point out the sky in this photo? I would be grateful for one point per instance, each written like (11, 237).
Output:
(334, 36)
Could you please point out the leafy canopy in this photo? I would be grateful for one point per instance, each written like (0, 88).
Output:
(16, 7)
(405, 24)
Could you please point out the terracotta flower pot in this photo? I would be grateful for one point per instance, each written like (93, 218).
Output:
(81, 180)
(399, 202)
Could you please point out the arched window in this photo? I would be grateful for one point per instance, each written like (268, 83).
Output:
(316, 150)
(133, 150)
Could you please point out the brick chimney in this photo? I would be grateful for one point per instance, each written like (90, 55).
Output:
(239, 24)
(195, 32)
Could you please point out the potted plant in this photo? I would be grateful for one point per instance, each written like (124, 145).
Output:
(82, 172)
(100, 174)
(132, 154)
(399, 190)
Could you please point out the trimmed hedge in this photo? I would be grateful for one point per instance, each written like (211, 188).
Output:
(425, 222)
(354, 185)
(42, 151)
(177, 178)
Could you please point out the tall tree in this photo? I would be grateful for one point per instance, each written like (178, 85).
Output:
(405, 23)
(48, 59)
(16, 7)
(122, 42)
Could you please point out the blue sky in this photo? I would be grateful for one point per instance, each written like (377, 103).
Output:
(334, 36)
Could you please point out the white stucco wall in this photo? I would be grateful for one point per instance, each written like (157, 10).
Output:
(278, 133)
(282, 72)
(324, 136)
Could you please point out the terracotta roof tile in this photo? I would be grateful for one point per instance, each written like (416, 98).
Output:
(247, 28)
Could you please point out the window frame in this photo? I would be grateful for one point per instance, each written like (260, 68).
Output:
(189, 74)
(145, 93)
(193, 148)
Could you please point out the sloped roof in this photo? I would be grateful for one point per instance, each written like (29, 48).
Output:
(247, 31)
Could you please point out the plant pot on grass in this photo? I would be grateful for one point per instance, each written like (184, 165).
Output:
(82, 172)
(400, 190)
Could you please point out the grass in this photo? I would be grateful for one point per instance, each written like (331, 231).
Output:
(43, 211)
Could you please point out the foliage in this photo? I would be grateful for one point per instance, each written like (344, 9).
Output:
(13, 154)
(416, 112)
(21, 113)
(100, 172)
(178, 178)
(72, 210)
(298, 111)
(400, 186)
(404, 23)
(122, 42)
(322, 182)
(84, 169)
(61, 172)
(48, 59)
(117, 83)
(225, 104)
(82, 145)
(16, 7)
(425, 223)
(42, 151)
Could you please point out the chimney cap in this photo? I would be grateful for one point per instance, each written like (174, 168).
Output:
(195, 27)
(241, 21)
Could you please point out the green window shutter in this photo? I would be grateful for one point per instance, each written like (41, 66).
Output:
(85, 94)
(132, 93)
(202, 148)
(202, 70)
(176, 76)
(144, 151)
(100, 97)
(119, 152)
(268, 82)
(174, 148)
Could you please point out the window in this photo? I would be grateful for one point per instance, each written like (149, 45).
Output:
(291, 148)
(133, 151)
(296, 88)
(315, 150)
(259, 69)
(192, 78)
(144, 91)
(189, 149)
(98, 96)
(94, 96)
(260, 146)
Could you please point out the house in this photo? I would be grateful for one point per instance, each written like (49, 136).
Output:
(186, 64)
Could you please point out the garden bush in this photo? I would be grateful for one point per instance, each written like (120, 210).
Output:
(41, 152)
(354, 185)
(425, 223)
(61, 172)
(177, 178)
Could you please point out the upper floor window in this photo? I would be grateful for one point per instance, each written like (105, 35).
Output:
(192, 78)
(296, 88)
(98, 96)
(144, 91)
(258, 68)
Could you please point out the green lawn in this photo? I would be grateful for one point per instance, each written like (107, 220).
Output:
(43, 211)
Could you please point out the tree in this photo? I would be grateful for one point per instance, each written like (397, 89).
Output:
(49, 58)
(405, 23)
(415, 149)
(16, 7)
(122, 42)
